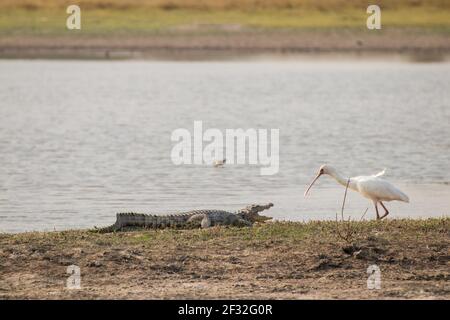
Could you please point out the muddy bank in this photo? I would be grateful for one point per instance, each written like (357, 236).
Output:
(420, 46)
(275, 260)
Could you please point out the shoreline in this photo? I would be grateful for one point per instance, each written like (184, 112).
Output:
(430, 200)
(280, 260)
(415, 46)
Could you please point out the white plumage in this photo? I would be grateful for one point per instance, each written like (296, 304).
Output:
(219, 163)
(372, 187)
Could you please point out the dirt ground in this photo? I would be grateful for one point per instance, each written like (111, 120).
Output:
(223, 44)
(270, 261)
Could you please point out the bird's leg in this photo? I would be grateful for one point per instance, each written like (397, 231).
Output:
(376, 209)
(386, 210)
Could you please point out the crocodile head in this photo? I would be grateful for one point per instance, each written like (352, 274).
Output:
(251, 212)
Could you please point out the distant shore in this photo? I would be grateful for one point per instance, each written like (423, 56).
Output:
(417, 46)
(273, 260)
(222, 29)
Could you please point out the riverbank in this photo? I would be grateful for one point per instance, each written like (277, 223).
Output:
(413, 44)
(275, 261)
(222, 29)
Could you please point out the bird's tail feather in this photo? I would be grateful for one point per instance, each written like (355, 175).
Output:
(404, 197)
(379, 174)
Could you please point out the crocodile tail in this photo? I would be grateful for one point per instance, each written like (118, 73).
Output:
(114, 227)
(111, 228)
(145, 221)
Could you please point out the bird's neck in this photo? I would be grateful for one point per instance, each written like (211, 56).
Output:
(341, 179)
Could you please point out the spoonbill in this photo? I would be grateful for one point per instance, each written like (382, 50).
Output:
(372, 187)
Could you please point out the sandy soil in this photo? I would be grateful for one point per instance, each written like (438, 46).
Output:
(275, 260)
(224, 44)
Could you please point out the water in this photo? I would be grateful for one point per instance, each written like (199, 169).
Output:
(82, 140)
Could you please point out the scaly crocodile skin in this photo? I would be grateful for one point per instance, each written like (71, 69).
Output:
(190, 219)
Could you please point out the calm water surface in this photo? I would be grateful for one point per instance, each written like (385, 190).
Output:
(82, 140)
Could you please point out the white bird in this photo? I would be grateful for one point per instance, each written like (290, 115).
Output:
(219, 163)
(372, 187)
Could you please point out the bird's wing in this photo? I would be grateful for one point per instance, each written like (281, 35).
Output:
(379, 189)
(381, 173)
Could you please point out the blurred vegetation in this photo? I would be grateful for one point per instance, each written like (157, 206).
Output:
(144, 16)
(322, 5)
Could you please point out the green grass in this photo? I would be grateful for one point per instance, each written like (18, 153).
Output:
(277, 231)
(52, 21)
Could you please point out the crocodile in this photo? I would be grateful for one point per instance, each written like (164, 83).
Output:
(189, 220)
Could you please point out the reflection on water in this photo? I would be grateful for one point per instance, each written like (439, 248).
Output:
(81, 140)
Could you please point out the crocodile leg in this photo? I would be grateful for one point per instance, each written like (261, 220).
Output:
(206, 222)
(242, 223)
(200, 220)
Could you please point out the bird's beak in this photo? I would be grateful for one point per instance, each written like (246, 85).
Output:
(317, 177)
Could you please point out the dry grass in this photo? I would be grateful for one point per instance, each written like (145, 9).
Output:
(222, 4)
(114, 16)
(274, 260)
(203, 27)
